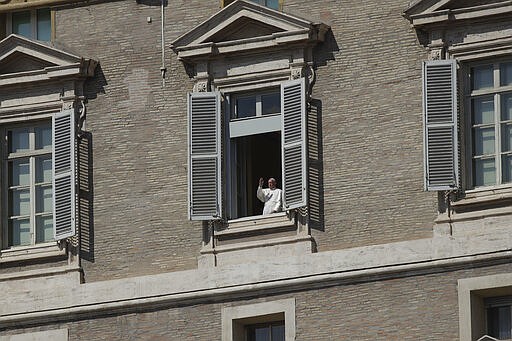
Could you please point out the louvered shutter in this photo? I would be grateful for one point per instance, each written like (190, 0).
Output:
(293, 118)
(204, 144)
(440, 125)
(63, 134)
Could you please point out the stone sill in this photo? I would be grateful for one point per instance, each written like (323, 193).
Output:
(476, 214)
(261, 223)
(38, 251)
(477, 196)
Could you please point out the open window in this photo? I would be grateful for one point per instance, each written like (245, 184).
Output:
(259, 141)
(252, 68)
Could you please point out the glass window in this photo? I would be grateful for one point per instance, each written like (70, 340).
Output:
(491, 122)
(499, 322)
(34, 24)
(266, 332)
(43, 24)
(21, 24)
(252, 105)
(29, 192)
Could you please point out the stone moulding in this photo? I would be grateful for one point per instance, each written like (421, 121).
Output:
(257, 27)
(428, 12)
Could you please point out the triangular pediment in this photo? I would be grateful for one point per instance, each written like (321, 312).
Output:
(244, 28)
(22, 55)
(426, 12)
(241, 25)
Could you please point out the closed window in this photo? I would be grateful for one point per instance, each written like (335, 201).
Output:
(491, 124)
(499, 317)
(29, 184)
(271, 331)
(33, 24)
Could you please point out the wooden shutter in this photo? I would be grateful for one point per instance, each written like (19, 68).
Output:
(63, 134)
(204, 144)
(293, 141)
(440, 125)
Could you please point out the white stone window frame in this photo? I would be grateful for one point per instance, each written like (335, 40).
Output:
(240, 127)
(471, 295)
(62, 80)
(33, 251)
(468, 55)
(234, 319)
(469, 95)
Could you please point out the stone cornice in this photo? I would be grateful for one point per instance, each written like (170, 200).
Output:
(434, 16)
(394, 260)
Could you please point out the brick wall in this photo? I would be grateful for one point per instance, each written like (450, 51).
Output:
(417, 307)
(368, 84)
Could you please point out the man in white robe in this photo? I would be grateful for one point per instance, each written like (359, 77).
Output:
(271, 196)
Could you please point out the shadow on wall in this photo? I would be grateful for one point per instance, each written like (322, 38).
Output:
(85, 196)
(322, 54)
(92, 88)
(326, 51)
(315, 166)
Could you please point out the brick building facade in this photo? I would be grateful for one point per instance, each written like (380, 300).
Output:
(386, 123)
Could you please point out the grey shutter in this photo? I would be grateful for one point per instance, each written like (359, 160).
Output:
(63, 134)
(293, 118)
(440, 125)
(204, 145)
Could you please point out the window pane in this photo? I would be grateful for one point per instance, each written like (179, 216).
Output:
(43, 169)
(44, 24)
(44, 229)
(43, 137)
(19, 173)
(21, 24)
(484, 141)
(271, 104)
(21, 232)
(273, 4)
(44, 199)
(506, 74)
(483, 77)
(278, 333)
(19, 140)
(506, 164)
(483, 110)
(506, 137)
(485, 172)
(20, 202)
(504, 322)
(246, 107)
(262, 334)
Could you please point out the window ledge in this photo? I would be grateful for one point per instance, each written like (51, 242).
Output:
(484, 197)
(18, 254)
(259, 223)
(472, 215)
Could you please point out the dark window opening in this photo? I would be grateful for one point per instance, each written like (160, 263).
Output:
(266, 332)
(499, 322)
(256, 156)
